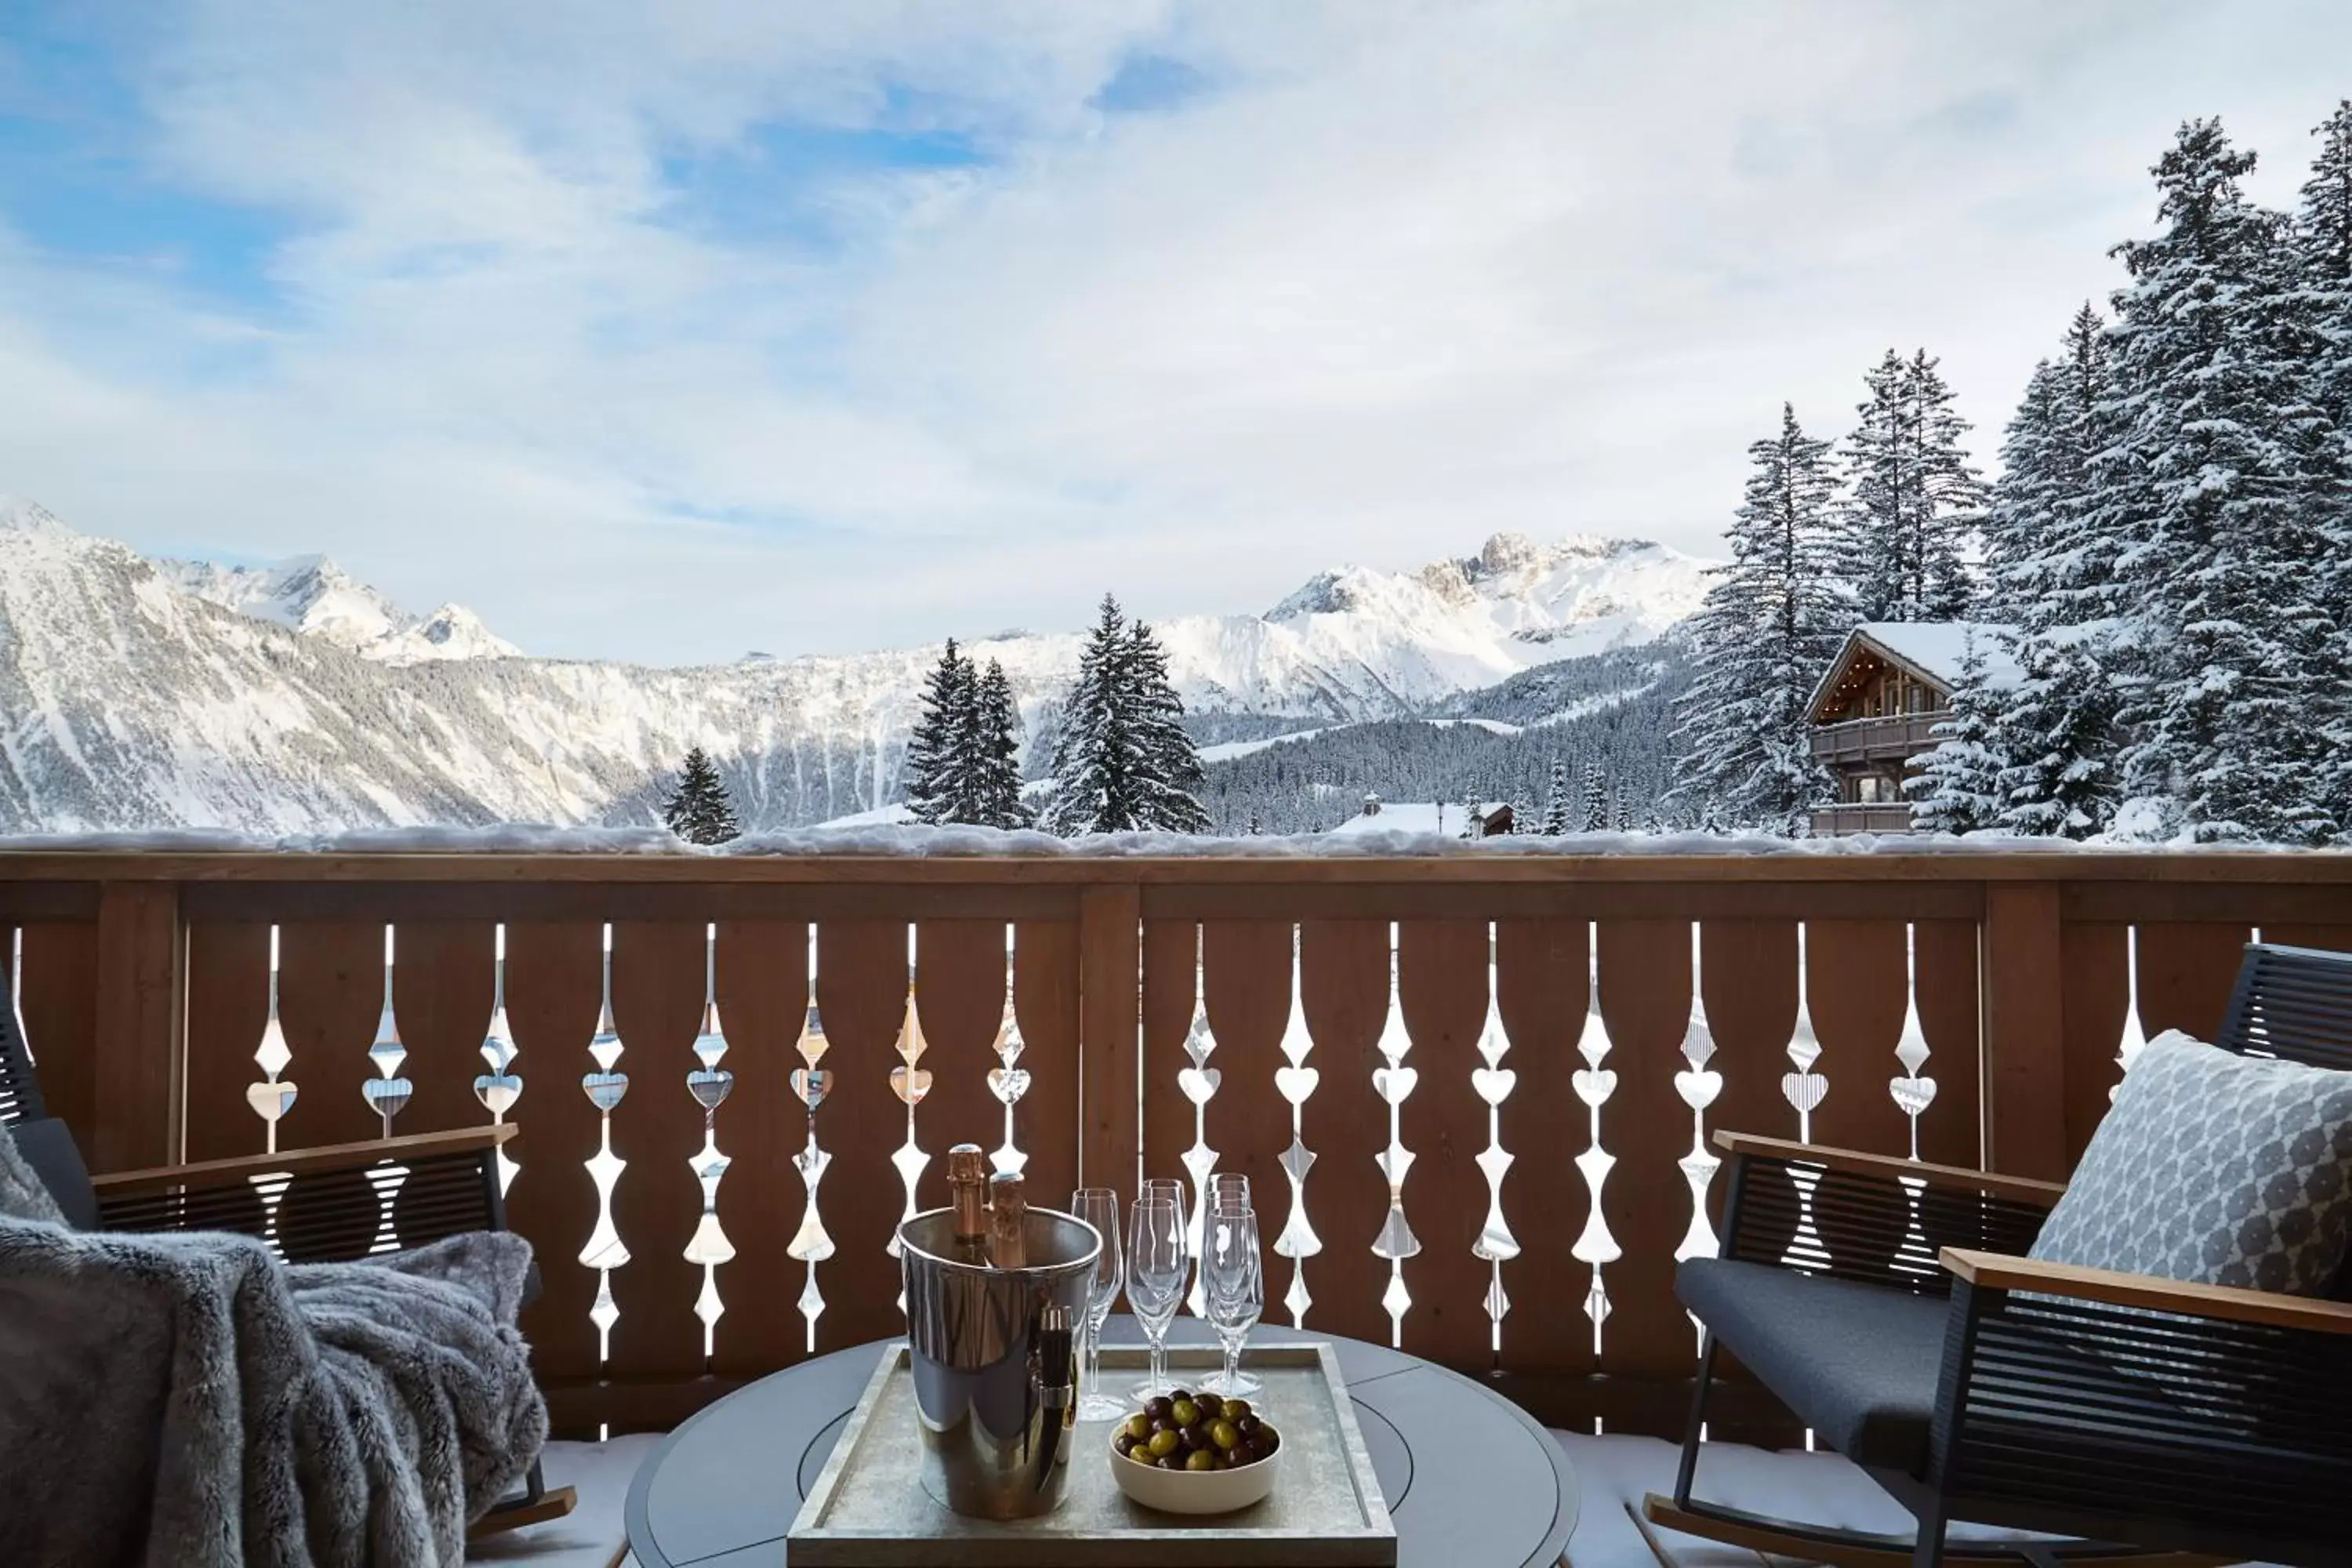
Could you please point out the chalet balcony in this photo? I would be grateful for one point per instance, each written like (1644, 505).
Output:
(1840, 819)
(1644, 1003)
(1875, 740)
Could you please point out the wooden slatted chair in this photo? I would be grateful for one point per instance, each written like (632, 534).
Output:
(328, 1210)
(1894, 1312)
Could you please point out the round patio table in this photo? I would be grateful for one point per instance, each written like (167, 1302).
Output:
(1470, 1478)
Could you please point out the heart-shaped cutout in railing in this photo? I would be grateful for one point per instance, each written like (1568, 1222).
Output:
(604, 1089)
(270, 1101)
(711, 1086)
(1913, 1095)
(1008, 1084)
(498, 1091)
(1698, 1087)
(811, 1085)
(1394, 1084)
(1493, 1085)
(1199, 1084)
(387, 1097)
(1804, 1090)
(910, 1084)
(1295, 1084)
(1593, 1085)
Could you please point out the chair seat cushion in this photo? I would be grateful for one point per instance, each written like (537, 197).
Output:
(46, 1147)
(1857, 1362)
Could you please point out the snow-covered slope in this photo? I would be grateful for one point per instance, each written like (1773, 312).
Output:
(143, 694)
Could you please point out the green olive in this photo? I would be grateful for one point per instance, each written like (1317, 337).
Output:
(1140, 1454)
(1235, 1409)
(1185, 1413)
(1202, 1459)
(1224, 1435)
(1139, 1426)
(1164, 1444)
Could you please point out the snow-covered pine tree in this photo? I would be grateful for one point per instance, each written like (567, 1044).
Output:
(2206, 485)
(2052, 578)
(698, 809)
(1473, 826)
(2323, 232)
(994, 780)
(1168, 776)
(1123, 762)
(939, 750)
(1596, 800)
(1768, 630)
(1094, 754)
(1556, 808)
(1916, 504)
(1955, 789)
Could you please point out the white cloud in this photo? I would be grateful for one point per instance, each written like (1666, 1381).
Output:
(1402, 274)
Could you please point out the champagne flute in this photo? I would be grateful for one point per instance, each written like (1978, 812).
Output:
(1171, 1190)
(1155, 1278)
(1229, 1187)
(1098, 1206)
(1233, 1278)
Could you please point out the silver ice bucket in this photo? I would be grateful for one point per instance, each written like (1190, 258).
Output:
(995, 1366)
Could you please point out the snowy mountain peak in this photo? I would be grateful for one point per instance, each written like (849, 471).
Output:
(313, 595)
(30, 517)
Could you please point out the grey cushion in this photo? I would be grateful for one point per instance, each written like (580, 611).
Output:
(48, 1146)
(2215, 1168)
(1856, 1363)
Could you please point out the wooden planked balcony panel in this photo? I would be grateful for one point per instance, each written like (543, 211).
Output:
(1890, 739)
(1549, 1042)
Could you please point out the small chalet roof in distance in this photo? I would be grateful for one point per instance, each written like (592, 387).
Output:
(1931, 650)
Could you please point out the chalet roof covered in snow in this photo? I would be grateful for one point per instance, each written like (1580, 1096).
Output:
(1932, 650)
(1415, 817)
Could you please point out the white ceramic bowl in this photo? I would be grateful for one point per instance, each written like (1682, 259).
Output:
(1191, 1491)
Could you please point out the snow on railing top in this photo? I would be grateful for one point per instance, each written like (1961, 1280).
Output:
(902, 840)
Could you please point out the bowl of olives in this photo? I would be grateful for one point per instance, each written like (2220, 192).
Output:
(1195, 1453)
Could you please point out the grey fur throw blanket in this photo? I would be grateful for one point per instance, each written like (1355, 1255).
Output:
(189, 1400)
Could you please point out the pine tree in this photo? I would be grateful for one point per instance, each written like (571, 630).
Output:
(940, 752)
(1596, 799)
(697, 808)
(2323, 233)
(1916, 504)
(1768, 630)
(1168, 778)
(1556, 818)
(993, 790)
(1472, 826)
(2053, 578)
(1123, 762)
(1955, 789)
(2205, 486)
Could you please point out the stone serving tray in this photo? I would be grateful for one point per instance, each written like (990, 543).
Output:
(868, 1507)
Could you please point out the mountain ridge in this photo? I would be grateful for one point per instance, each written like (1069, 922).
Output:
(294, 698)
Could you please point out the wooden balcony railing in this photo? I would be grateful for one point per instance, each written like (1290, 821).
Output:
(1838, 818)
(1965, 1007)
(1876, 739)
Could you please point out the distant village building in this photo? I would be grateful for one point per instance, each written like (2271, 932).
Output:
(1426, 816)
(1877, 706)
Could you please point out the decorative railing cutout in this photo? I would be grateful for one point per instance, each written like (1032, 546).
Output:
(2134, 1038)
(1595, 1083)
(500, 1086)
(273, 1096)
(1008, 1081)
(711, 1084)
(1199, 1082)
(811, 1245)
(1394, 1082)
(605, 1088)
(387, 1094)
(1697, 1085)
(1295, 1081)
(1492, 1083)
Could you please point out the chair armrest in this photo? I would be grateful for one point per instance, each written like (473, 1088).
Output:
(296, 1161)
(1853, 1161)
(1998, 1271)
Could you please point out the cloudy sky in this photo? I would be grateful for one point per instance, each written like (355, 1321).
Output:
(671, 330)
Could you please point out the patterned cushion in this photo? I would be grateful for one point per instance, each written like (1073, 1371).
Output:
(2216, 1169)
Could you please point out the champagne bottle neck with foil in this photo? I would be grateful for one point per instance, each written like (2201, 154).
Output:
(1008, 1223)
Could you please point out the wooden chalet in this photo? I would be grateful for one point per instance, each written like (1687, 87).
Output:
(1876, 707)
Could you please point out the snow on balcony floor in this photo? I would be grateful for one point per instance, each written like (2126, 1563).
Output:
(1611, 1471)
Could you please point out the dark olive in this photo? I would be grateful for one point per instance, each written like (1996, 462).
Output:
(1179, 1393)
(1161, 1407)
(1169, 1462)
(1247, 1425)
(1122, 1444)
(1211, 1405)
